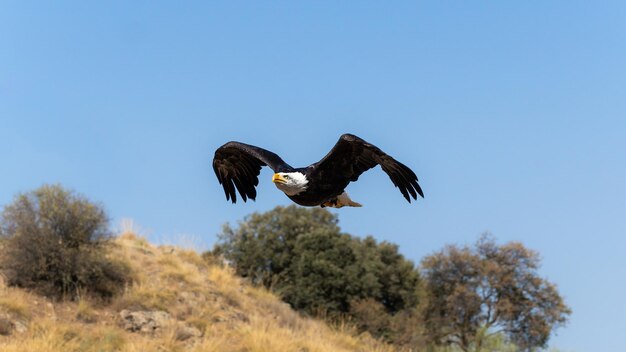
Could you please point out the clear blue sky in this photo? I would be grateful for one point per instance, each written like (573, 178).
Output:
(513, 115)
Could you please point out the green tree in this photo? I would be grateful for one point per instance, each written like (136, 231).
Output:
(261, 248)
(480, 292)
(301, 254)
(55, 242)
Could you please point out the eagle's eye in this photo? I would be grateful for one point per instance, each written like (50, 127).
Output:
(287, 177)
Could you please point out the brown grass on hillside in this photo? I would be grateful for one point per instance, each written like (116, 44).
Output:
(229, 314)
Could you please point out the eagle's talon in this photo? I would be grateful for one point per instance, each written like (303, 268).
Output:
(343, 200)
(330, 204)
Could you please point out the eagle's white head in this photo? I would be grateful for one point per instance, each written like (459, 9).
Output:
(291, 183)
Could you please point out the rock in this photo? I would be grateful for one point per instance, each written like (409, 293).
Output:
(148, 322)
(8, 325)
(185, 332)
(19, 327)
(6, 328)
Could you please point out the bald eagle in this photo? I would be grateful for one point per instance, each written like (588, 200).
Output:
(237, 165)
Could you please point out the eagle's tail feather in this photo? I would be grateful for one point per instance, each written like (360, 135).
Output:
(344, 201)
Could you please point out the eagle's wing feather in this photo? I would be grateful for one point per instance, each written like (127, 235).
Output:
(238, 165)
(352, 156)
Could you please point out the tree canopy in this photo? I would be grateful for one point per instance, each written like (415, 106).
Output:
(302, 254)
(486, 290)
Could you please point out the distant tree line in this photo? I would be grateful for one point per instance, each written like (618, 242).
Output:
(466, 298)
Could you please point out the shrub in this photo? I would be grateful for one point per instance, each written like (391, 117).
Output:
(55, 242)
(370, 315)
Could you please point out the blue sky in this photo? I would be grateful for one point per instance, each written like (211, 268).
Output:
(513, 115)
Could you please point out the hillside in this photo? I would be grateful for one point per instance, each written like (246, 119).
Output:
(178, 302)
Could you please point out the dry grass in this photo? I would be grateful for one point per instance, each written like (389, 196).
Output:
(231, 315)
(48, 335)
(85, 312)
(12, 302)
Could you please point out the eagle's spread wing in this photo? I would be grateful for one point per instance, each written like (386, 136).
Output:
(238, 165)
(352, 156)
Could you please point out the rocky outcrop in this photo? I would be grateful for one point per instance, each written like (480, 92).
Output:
(148, 322)
(152, 322)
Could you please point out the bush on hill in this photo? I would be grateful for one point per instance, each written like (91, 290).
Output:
(54, 241)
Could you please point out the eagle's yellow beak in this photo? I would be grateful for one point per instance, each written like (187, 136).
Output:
(277, 178)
